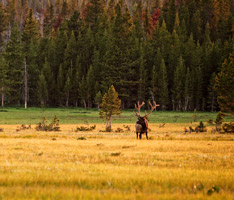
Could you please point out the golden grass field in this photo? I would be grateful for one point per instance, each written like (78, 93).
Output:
(171, 165)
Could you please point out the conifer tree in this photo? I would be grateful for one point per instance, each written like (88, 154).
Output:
(3, 23)
(50, 80)
(163, 86)
(4, 80)
(68, 86)
(98, 99)
(94, 9)
(178, 85)
(171, 15)
(49, 20)
(60, 85)
(83, 91)
(90, 79)
(225, 84)
(212, 95)
(111, 105)
(31, 31)
(42, 91)
(60, 45)
(198, 88)
(71, 50)
(75, 88)
(14, 57)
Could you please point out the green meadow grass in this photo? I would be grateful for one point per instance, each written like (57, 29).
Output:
(79, 115)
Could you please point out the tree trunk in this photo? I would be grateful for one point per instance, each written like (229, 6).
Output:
(3, 97)
(108, 124)
(212, 102)
(67, 100)
(84, 102)
(25, 85)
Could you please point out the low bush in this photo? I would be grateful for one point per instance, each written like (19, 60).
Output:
(201, 128)
(44, 126)
(228, 127)
(85, 128)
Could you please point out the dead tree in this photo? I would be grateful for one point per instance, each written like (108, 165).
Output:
(142, 123)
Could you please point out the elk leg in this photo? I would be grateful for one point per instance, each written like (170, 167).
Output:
(140, 136)
(137, 134)
(146, 135)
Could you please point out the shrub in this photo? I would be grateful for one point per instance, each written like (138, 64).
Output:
(85, 128)
(53, 126)
(119, 130)
(81, 138)
(228, 127)
(201, 127)
(23, 127)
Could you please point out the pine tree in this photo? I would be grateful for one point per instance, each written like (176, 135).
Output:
(90, 79)
(198, 88)
(98, 99)
(11, 11)
(225, 84)
(163, 86)
(3, 23)
(212, 96)
(60, 85)
(111, 105)
(42, 91)
(75, 88)
(171, 15)
(142, 78)
(30, 38)
(31, 31)
(60, 45)
(178, 85)
(64, 10)
(14, 57)
(49, 20)
(4, 80)
(71, 50)
(94, 9)
(83, 91)
(50, 80)
(68, 86)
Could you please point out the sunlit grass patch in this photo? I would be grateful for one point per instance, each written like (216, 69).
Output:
(58, 165)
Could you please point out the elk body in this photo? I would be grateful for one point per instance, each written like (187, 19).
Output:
(142, 123)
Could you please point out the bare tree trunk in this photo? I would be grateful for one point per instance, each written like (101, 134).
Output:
(3, 97)
(67, 100)
(212, 102)
(25, 85)
(173, 105)
(85, 106)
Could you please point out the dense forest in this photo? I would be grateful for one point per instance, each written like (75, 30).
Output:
(68, 53)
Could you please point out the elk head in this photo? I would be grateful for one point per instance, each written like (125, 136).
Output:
(142, 123)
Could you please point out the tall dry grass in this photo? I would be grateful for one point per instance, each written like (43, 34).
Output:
(171, 165)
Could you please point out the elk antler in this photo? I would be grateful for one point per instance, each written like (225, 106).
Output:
(138, 107)
(152, 108)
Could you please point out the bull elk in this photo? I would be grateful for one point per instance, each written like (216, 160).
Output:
(142, 123)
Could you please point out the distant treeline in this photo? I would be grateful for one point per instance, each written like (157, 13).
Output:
(68, 53)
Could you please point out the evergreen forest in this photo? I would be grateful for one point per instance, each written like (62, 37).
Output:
(59, 53)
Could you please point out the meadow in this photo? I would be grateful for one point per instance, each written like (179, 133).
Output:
(79, 115)
(114, 165)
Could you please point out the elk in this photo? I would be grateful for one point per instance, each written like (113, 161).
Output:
(142, 123)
